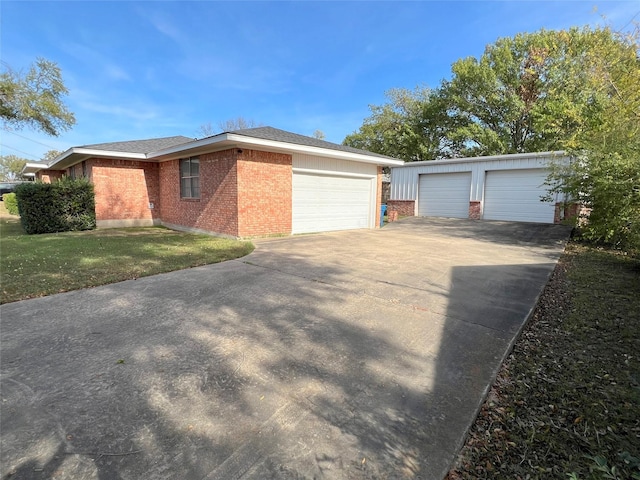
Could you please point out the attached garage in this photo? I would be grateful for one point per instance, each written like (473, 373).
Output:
(444, 195)
(330, 194)
(515, 195)
(501, 187)
(253, 182)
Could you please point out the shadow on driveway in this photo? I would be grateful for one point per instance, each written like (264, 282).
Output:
(348, 355)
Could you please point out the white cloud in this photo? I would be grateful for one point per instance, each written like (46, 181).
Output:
(131, 113)
(166, 27)
(93, 59)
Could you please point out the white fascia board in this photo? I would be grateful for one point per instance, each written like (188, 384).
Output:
(231, 140)
(508, 156)
(77, 154)
(319, 151)
(88, 152)
(30, 168)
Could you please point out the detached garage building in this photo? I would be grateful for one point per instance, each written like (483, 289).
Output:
(502, 187)
(252, 182)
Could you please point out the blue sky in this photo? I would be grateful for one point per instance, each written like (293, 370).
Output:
(151, 69)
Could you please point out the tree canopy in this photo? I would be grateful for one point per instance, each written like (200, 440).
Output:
(605, 173)
(11, 168)
(576, 90)
(35, 99)
(531, 92)
(413, 126)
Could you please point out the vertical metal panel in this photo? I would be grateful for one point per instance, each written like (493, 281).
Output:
(404, 180)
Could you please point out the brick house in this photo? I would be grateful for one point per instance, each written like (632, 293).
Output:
(253, 182)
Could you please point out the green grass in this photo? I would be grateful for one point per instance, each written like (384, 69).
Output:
(566, 404)
(38, 265)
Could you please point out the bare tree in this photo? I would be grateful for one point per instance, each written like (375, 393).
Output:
(205, 130)
(238, 123)
(319, 134)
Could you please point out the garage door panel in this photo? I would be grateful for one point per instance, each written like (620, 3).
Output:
(514, 195)
(323, 203)
(444, 195)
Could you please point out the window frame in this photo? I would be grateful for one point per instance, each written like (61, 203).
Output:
(193, 180)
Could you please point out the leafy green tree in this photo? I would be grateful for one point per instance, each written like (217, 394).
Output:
(412, 126)
(50, 155)
(576, 90)
(605, 173)
(11, 168)
(35, 98)
(530, 92)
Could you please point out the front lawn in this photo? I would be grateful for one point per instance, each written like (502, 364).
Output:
(566, 403)
(38, 265)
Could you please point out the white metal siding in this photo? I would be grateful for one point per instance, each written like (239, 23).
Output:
(405, 179)
(515, 195)
(332, 194)
(444, 195)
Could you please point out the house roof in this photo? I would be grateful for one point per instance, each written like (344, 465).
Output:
(140, 146)
(275, 134)
(260, 138)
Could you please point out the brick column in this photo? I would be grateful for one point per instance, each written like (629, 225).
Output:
(475, 211)
(406, 208)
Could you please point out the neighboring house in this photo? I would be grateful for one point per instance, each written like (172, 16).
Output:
(502, 187)
(253, 182)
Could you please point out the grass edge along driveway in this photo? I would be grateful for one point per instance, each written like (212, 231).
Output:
(566, 403)
(39, 265)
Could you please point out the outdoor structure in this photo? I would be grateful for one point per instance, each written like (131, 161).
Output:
(253, 182)
(502, 187)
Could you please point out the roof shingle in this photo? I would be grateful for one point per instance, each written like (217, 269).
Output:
(140, 146)
(275, 134)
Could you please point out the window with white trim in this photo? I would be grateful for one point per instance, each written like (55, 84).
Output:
(190, 177)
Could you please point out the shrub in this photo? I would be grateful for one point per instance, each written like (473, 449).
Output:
(65, 205)
(10, 203)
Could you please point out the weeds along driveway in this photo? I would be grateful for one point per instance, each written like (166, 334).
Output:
(346, 355)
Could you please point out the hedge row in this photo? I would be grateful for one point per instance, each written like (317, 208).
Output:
(10, 203)
(65, 205)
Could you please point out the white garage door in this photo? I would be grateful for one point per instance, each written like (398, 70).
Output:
(323, 203)
(515, 195)
(444, 195)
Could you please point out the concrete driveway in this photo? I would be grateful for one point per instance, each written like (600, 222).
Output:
(359, 354)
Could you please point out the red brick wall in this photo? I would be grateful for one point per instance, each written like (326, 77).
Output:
(378, 196)
(264, 193)
(571, 213)
(48, 176)
(475, 210)
(403, 207)
(124, 188)
(217, 208)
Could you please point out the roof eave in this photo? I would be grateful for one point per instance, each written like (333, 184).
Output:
(77, 154)
(507, 156)
(30, 168)
(231, 140)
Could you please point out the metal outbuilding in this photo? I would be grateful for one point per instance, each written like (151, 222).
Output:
(501, 187)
